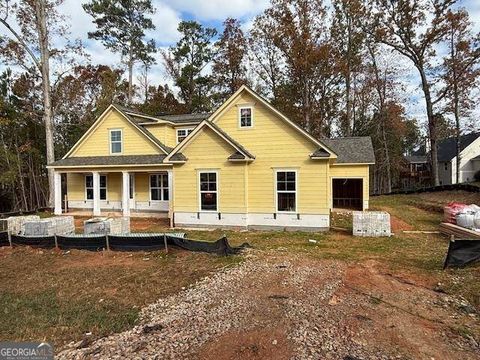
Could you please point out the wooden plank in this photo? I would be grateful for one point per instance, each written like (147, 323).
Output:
(459, 232)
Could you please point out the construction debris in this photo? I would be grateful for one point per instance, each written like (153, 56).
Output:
(458, 231)
(104, 225)
(371, 223)
(58, 225)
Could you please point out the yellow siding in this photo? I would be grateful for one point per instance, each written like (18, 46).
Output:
(114, 186)
(209, 152)
(97, 143)
(76, 187)
(142, 187)
(351, 171)
(277, 145)
(164, 132)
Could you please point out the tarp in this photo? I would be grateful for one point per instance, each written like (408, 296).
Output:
(462, 252)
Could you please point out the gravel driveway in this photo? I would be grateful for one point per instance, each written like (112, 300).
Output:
(279, 306)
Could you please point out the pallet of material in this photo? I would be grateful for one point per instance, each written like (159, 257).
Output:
(458, 231)
(57, 225)
(15, 224)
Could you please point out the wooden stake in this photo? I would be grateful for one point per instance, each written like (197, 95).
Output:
(108, 244)
(9, 235)
(165, 242)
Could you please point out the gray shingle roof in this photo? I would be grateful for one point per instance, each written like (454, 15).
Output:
(110, 160)
(416, 158)
(178, 157)
(320, 153)
(447, 148)
(352, 149)
(185, 118)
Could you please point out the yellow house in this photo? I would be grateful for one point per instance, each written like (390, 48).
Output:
(244, 166)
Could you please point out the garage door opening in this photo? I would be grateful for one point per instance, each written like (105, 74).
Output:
(348, 194)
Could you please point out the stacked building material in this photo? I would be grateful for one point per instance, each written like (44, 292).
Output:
(371, 223)
(58, 225)
(104, 225)
(459, 232)
(15, 223)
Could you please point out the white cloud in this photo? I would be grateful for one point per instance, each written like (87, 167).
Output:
(218, 9)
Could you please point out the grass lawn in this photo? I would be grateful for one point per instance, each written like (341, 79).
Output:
(56, 297)
(45, 295)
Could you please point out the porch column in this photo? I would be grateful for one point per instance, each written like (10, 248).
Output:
(58, 193)
(96, 193)
(170, 196)
(126, 193)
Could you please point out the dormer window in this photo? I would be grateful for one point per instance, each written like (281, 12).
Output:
(182, 134)
(116, 146)
(245, 116)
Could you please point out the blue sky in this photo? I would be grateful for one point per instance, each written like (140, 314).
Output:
(212, 13)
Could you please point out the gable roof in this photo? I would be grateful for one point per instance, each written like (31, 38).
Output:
(215, 115)
(353, 150)
(175, 153)
(447, 148)
(129, 119)
(416, 159)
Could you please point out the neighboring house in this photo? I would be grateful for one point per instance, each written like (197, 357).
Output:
(416, 172)
(246, 165)
(447, 161)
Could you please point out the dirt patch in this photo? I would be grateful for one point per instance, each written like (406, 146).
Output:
(413, 315)
(398, 224)
(269, 343)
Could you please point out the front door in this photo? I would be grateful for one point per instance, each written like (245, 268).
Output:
(132, 191)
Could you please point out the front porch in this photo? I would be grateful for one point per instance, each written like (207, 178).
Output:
(136, 193)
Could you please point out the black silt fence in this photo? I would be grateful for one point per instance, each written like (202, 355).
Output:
(134, 242)
(4, 238)
(44, 242)
(462, 252)
(91, 243)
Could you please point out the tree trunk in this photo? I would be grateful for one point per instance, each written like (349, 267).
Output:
(432, 126)
(130, 80)
(41, 23)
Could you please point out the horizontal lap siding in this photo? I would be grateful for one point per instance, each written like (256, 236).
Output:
(134, 143)
(352, 171)
(209, 151)
(277, 144)
(165, 133)
(76, 187)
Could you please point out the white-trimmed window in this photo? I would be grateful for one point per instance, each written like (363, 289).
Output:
(182, 134)
(245, 116)
(208, 191)
(286, 188)
(159, 187)
(89, 187)
(116, 143)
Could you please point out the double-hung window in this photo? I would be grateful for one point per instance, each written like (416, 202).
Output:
(208, 191)
(159, 187)
(116, 145)
(286, 186)
(89, 187)
(245, 117)
(182, 134)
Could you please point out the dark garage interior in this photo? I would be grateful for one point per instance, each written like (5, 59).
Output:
(347, 193)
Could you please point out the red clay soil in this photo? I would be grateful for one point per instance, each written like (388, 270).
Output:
(398, 224)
